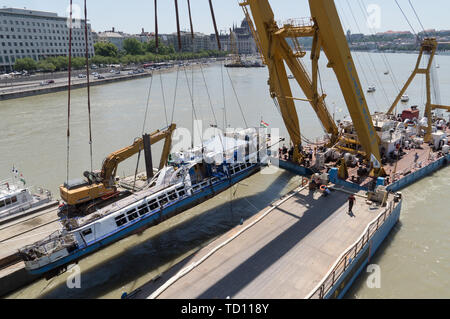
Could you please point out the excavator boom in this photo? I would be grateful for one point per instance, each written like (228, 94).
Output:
(104, 184)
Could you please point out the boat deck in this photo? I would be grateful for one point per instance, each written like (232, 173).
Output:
(284, 255)
(26, 231)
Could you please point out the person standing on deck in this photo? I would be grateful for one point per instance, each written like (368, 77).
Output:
(351, 202)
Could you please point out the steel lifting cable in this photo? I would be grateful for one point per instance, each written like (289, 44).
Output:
(143, 127)
(192, 101)
(358, 60)
(164, 97)
(68, 92)
(237, 99)
(225, 122)
(88, 81)
(370, 58)
(175, 96)
(178, 25)
(156, 27)
(383, 55)
(406, 18)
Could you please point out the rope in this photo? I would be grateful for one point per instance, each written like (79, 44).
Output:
(175, 96)
(88, 81)
(164, 98)
(192, 101)
(225, 123)
(237, 98)
(143, 128)
(407, 20)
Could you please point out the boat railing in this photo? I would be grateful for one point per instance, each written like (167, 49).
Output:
(349, 256)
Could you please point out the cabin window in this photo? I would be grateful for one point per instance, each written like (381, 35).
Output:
(87, 232)
(14, 199)
(172, 195)
(121, 220)
(132, 215)
(143, 209)
(2, 203)
(181, 192)
(8, 201)
(162, 200)
(153, 204)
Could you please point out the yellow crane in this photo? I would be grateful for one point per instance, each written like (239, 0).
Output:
(328, 35)
(104, 183)
(428, 46)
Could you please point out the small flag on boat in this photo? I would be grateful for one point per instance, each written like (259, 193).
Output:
(264, 124)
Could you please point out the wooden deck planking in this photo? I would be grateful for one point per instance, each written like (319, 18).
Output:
(285, 255)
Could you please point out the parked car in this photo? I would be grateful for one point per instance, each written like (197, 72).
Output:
(100, 77)
(81, 76)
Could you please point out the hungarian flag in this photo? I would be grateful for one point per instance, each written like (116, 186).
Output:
(264, 124)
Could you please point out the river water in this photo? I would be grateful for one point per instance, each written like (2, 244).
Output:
(414, 261)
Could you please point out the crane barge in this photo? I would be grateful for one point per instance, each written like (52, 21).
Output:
(369, 149)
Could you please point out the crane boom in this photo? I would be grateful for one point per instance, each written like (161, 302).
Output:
(276, 51)
(428, 46)
(328, 35)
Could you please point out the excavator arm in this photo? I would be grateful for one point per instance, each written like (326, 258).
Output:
(111, 163)
(103, 184)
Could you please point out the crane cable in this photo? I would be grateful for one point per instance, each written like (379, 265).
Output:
(407, 20)
(143, 128)
(370, 57)
(237, 98)
(163, 97)
(383, 55)
(88, 81)
(68, 92)
(358, 60)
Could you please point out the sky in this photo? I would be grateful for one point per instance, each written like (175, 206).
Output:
(131, 16)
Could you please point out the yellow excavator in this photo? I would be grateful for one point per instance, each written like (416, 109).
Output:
(101, 186)
(327, 33)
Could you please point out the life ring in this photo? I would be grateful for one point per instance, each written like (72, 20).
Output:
(322, 187)
(305, 181)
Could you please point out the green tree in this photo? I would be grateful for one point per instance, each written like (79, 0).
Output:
(46, 66)
(106, 49)
(133, 46)
(27, 64)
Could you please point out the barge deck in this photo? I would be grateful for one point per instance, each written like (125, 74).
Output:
(303, 246)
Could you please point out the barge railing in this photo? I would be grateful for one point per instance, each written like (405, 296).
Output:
(349, 255)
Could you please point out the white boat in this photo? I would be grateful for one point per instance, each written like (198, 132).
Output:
(371, 89)
(405, 98)
(190, 178)
(16, 201)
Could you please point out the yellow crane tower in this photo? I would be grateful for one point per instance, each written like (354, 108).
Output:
(328, 35)
(428, 46)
